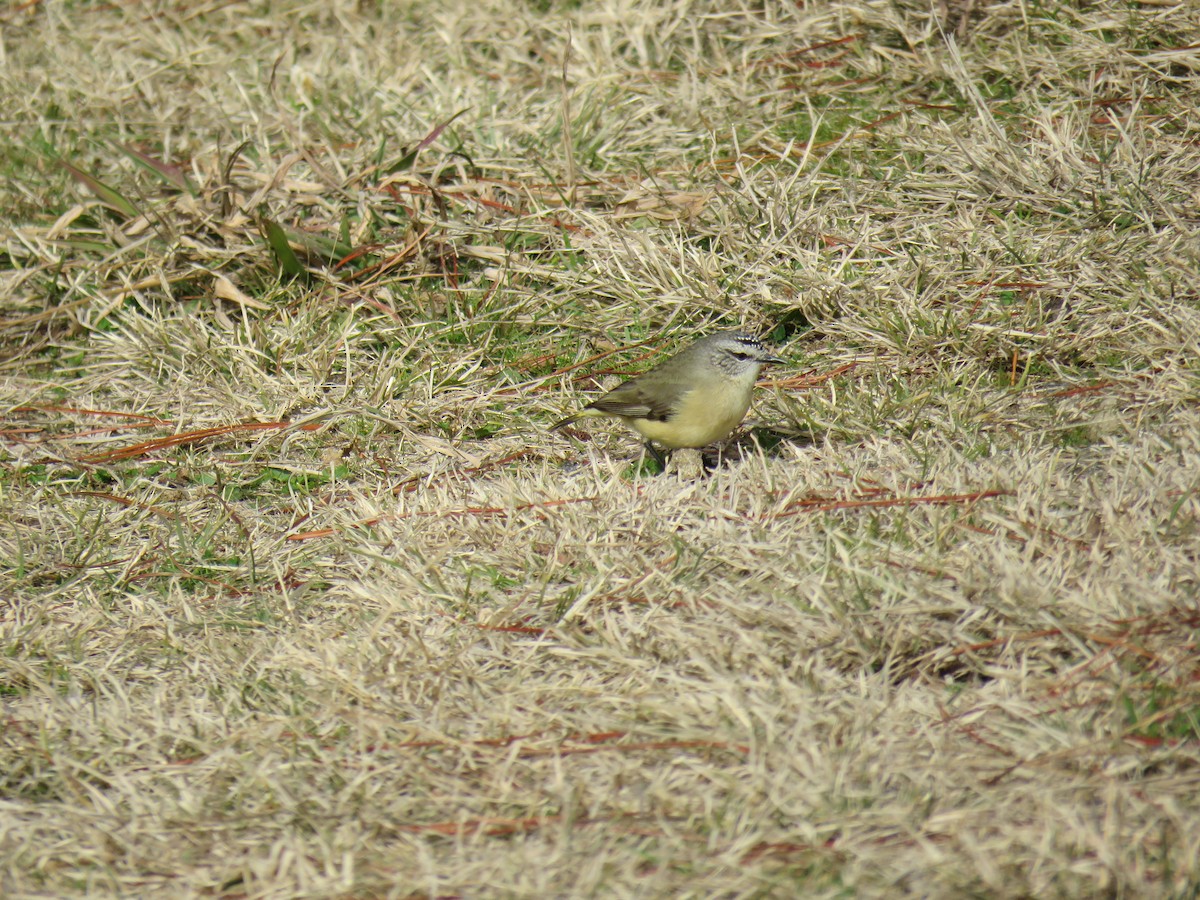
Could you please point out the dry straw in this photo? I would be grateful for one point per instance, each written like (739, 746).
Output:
(299, 599)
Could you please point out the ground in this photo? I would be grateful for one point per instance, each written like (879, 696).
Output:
(299, 597)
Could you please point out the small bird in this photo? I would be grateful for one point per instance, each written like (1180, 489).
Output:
(692, 399)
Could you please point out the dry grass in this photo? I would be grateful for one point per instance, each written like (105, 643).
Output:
(301, 600)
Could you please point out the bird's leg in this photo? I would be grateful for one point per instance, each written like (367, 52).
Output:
(658, 457)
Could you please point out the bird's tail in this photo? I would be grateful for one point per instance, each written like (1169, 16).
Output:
(563, 423)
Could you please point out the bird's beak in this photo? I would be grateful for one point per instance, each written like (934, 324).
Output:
(773, 361)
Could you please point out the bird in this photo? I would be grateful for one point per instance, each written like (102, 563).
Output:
(693, 399)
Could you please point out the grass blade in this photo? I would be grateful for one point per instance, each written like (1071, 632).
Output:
(110, 197)
(277, 240)
(171, 174)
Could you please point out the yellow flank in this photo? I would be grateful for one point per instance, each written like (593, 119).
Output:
(702, 416)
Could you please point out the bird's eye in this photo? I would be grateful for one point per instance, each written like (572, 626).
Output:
(738, 354)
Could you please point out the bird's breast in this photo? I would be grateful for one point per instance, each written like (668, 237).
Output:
(705, 414)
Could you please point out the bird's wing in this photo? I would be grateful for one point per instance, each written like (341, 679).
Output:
(638, 400)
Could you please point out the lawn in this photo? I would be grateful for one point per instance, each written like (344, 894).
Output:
(299, 597)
